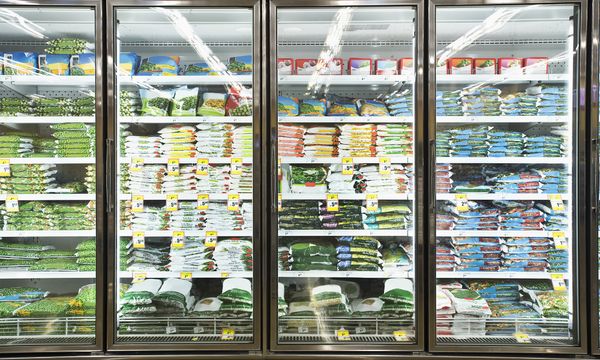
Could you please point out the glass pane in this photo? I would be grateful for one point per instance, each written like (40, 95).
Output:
(185, 133)
(506, 126)
(345, 175)
(47, 176)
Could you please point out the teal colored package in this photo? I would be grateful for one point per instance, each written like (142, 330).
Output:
(287, 106)
(159, 66)
(51, 64)
(240, 65)
(20, 63)
(128, 63)
(83, 64)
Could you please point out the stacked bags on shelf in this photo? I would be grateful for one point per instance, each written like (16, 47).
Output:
(236, 298)
(394, 140)
(186, 217)
(544, 146)
(233, 255)
(398, 181)
(16, 144)
(34, 257)
(448, 103)
(312, 255)
(290, 140)
(357, 140)
(90, 179)
(526, 254)
(443, 178)
(86, 255)
(400, 103)
(330, 301)
(142, 146)
(193, 256)
(151, 218)
(478, 254)
(442, 143)
(483, 101)
(470, 310)
(148, 180)
(299, 215)
(153, 257)
(398, 299)
(41, 215)
(387, 216)
(220, 179)
(219, 218)
(359, 254)
(348, 216)
(29, 179)
(84, 303)
(12, 106)
(129, 103)
(74, 140)
(68, 46)
(469, 141)
(552, 100)
(177, 141)
(184, 182)
(223, 140)
(314, 179)
(321, 141)
(505, 143)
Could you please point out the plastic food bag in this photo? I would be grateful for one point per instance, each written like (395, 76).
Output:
(240, 64)
(236, 290)
(20, 63)
(213, 104)
(398, 291)
(185, 101)
(141, 293)
(159, 66)
(207, 308)
(238, 105)
(199, 69)
(54, 64)
(156, 102)
(287, 106)
(371, 108)
(83, 64)
(313, 107)
(342, 107)
(128, 63)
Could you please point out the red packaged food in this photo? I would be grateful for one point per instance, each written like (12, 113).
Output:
(306, 66)
(359, 66)
(535, 65)
(509, 66)
(405, 66)
(441, 67)
(386, 67)
(484, 66)
(285, 66)
(460, 66)
(334, 67)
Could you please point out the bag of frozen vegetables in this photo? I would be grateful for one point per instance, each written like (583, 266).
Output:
(185, 101)
(156, 102)
(213, 104)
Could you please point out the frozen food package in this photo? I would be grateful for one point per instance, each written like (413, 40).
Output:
(285, 66)
(509, 66)
(334, 67)
(441, 67)
(83, 64)
(156, 102)
(238, 105)
(199, 69)
(340, 106)
(129, 62)
(50, 64)
(313, 107)
(386, 67)
(371, 108)
(405, 66)
(240, 65)
(184, 102)
(306, 66)
(159, 66)
(485, 66)
(460, 66)
(535, 65)
(359, 66)
(213, 104)
(20, 63)
(287, 106)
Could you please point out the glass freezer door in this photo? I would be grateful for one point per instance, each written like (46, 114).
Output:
(346, 194)
(186, 139)
(505, 145)
(47, 176)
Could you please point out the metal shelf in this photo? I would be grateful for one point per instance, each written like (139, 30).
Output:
(338, 160)
(364, 80)
(55, 160)
(164, 160)
(493, 233)
(348, 196)
(185, 80)
(46, 119)
(346, 119)
(502, 119)
(185, 119)
(499, 196)
(502, 160)
(195, 274)
(6, 275)
(48, 233)
(344, 233)
(48, 80)
(199, 233)
(186, 196)
(47, 331)
(507, 79)
(385, 274)
(491, 275)
(51, 197)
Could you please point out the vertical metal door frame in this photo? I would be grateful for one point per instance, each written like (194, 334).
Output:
(418, 222)
(594, 172)
(579, 195)
(100, 233)
(258, 125)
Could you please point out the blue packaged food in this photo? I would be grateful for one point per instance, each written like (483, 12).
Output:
(340, 106)
(371, 108)
(313, 107)
(128, 63)
(83, 64)
(51, 64)
(240, 65)
(199, 69)
(20, 63)
(159, 66)
(287, 106)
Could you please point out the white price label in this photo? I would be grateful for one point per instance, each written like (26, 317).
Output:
(203, 200)
(177, 239)
(173, 167)
(333, 204)
(558, 282)
(385, 167)
(4, 167)
(170, 329)
(137, 203)
(12, 203)
(236, 166)
(347, 166)
(139, 242)
(361, 330)
(172, 202)
(462, 203)
(372, 203)
(556, 202)
(198, 330)
(233, 202)
(202, 167)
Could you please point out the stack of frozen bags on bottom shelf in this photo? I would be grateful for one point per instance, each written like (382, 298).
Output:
(398, 299)
(186, 217)
(236, 298)
(526, 254)
(312, 255)
(505, 143)
(147, 180)
(544, 146)
(129, 103)
(74, 140)
(478, 254)
(29, 179)
(394, 140)
(86, 255)
(470, 310)
(177, 141)
(330, 301)
(552, 100)
(283, 258)
(469, 141)
(400, 103)
(321, 141)
(290, 140)
(447, 103)
(481, 101)
(184, 182)
(357, 140)
(359, 254)
(16, 144)
(142, 146)
(156, 298)
(192, 256)
(233, 255)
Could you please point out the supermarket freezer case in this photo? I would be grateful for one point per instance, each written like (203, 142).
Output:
(297, 32)
(592, 141)
(476, 280)
(69, 331)
(207, 332)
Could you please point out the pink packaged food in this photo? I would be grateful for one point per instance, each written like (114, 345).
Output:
(509, 66)
(484, 66)
(306, 66)
(285, 66)
(334, 67)
(386, 67)
(441, 67)
(405, 66)
(460, 66)
(535, 65)
(359, 66)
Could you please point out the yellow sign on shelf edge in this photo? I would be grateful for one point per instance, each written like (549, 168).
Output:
(343, 335)
(12, 203)
(233, 202)
(177, 241)
(347, 166)
(522, 338)
(137, 203)
(202, 166)
(203, 200)
(333, 204)
(556, 202)
(227, 334)
(173, 167)
(236, 166)
(172, 202)
(136, 164)
(138, 240)
(4, 167)
(372, 202)
(385, 167)
(210, 239)
(185, 276)
(138, 277)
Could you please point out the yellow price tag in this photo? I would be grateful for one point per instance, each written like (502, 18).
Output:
(522, 338)
(560, 240)
(233, 202)
(333, 204)
(461, 202)
(202, 202)
(343, 335)
(202, 167)
(138, 240)
(210, 239)
(173, 167)
(279, 202)
(385, 167)
(227, 334)
(279, 170)
(4, 167)
(224, 274)
(347, 166)
(138, 277)
(185, 276)
(236, 166)
(400, 335)
(556, 202)
(372, 203)
(137, 203)
(558, 282)
(136, 164)
(172, 202)
(12, 203)
(177, 239)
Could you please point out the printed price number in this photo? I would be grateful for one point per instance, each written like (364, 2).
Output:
(12, 203)
(136, 164)
(173, 167)
(522, 338)
(4, 167)
(560, 240)
(372, 202)
(137, 203)
(139, 242)
(202, 167)
(347, 166)
(210, 239)
(227, 334)
(185, 276)
(172, 202)
(138, 277)
(177, 239)
(556, 202)
(385, 167)
(558, 282)
(236, 166)
(203, 200)
(343, 334)
(461, 202)
(233, 202)
(333, 203)
(400, 335)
